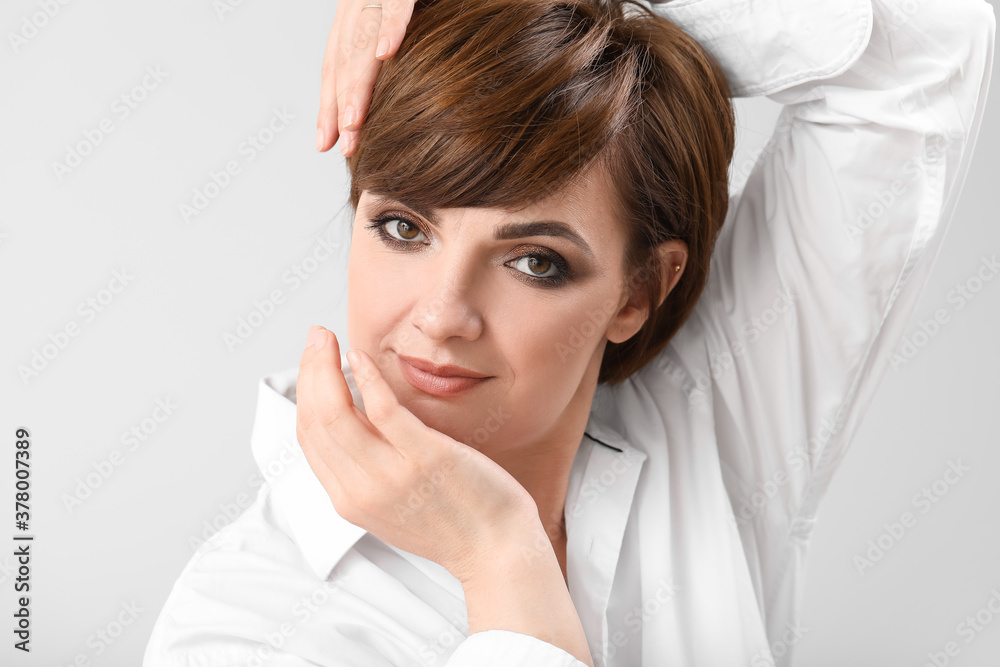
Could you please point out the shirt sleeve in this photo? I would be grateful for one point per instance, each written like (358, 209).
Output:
(827, 248)
(502, 648)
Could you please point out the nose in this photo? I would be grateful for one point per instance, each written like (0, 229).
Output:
(446, 309)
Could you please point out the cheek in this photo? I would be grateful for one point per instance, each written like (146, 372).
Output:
(356, 326)
(548, 353)
(376, 298)
(561, 336)
(363, 299)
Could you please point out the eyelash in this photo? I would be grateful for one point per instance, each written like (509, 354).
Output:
(377, 225)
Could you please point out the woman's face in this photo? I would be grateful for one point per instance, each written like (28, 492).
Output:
(528, 299)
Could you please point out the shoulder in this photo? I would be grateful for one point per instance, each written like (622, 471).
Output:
(248, 596)
(237, 590)
(218, 591)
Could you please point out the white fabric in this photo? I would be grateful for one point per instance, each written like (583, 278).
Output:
(696, 486)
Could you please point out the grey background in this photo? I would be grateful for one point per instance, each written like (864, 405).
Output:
(162, 336)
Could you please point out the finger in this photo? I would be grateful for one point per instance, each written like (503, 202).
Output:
(392, 29)
(314, 361)
(395, 17)
(326, 475)
(326, 120)
(327, 407)
(305, 434)
(397, 424)
(357, 79)
(305, 429)
(358, 101)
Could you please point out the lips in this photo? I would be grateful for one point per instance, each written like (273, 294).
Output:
(430, 382)
(445, 370)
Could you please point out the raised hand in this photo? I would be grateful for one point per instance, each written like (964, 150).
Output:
(404, 482)
(360, 39)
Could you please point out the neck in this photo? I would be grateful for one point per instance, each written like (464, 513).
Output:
(543, 466)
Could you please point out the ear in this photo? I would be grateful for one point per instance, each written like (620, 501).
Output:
(634, 311)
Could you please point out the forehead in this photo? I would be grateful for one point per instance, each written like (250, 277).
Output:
(589, 193)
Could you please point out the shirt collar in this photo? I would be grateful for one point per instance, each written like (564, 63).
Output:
(298, 497)
(324, 536)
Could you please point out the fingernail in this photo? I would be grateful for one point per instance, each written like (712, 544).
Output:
(383, 47)
(317, 337)
(320, 139)
(352, 358)
(346, 143)
(349, 116)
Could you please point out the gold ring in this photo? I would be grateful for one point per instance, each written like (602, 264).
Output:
(374, 4)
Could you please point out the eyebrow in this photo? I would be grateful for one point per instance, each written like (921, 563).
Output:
(506, 231)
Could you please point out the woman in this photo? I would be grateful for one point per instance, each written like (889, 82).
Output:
(593, 400)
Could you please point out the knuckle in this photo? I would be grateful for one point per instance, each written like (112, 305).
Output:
(328, 69)
(422, 467)
(366, 375)
(364, 378)
(330, 420)
(379, 414)
(341, 58)
(328, 104)
(303, 424)
(345, 508)
(362, 39)
(354, 506)
(308, 419)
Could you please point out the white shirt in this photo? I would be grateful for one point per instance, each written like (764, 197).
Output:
(696, 485)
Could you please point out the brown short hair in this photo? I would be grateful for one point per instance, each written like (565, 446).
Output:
(500, 103)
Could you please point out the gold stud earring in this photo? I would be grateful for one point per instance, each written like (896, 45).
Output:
(677, 267)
